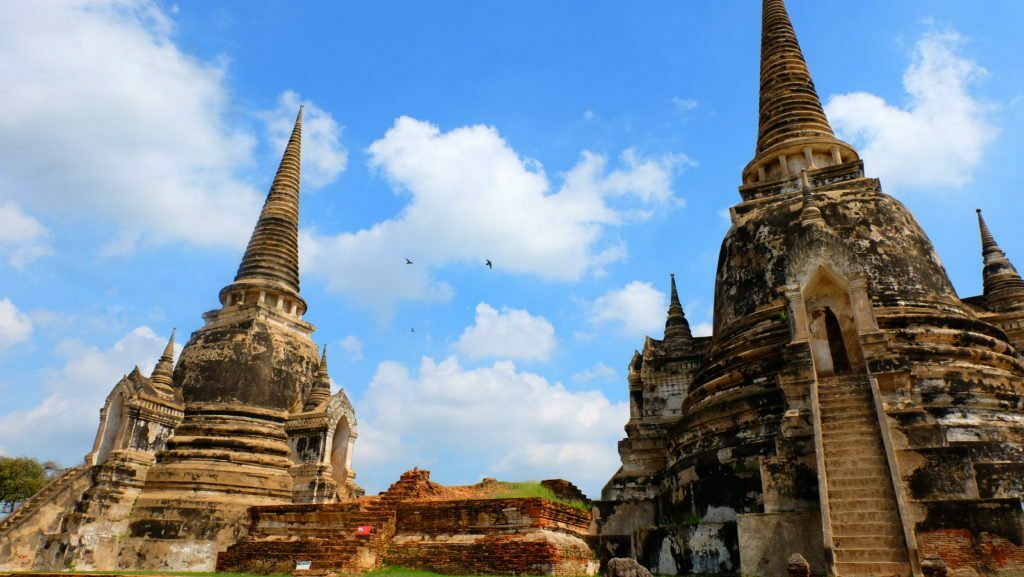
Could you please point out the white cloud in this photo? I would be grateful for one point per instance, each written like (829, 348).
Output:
(702, 330)
(22, 238)
(472, 197)
(685, 104)
(63, 424)
(15, 326)
(323, 158)
(939, 137)
(637, 309)
(113, 123)
(509, 334)
(494, 421)
(353, 347)
(600, 372)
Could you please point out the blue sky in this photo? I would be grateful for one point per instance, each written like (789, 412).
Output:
(588, 149)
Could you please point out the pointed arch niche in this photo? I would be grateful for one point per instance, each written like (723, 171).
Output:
(107, 436)
(342, 441)
(832, 331)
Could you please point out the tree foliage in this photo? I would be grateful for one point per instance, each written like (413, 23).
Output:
(22, 477)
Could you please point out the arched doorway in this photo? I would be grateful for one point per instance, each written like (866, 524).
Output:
(111, 425)
(834, 340)
(341, 459)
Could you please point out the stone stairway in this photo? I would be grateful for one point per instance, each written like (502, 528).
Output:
(867, 535)
(35, 501)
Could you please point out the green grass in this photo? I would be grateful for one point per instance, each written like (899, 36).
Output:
(529, 489)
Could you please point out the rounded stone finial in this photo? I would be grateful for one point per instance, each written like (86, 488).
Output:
(798, 566)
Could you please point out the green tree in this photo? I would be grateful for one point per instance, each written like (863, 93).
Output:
(22, 477)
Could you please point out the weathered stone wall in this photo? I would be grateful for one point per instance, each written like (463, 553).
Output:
(703, 548)
(766, 542)
(27, 535)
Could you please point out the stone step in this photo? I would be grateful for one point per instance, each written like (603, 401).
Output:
(865, 460)
(847, 416)
(835, 494)
(867, 426)
(840, 390)
(846, 399)
(844, 419)
(874, 483)
(851, 505)
(869, 541)
(829, 394)
(854, 517)
(872, 554)
(872, 569)
(857, 472)
(858, 449)
(848, 439)
(838, 411)
(866, 529)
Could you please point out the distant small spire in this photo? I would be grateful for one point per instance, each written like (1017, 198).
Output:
(321, 390)
(677, 328)
(988, 242)
(322, 371)
(163, 373)
(811, 214)
(1004, 288)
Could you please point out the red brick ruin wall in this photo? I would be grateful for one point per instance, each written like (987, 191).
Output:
(489, 516)
(492, 555)
(965, 551)
(499, 536)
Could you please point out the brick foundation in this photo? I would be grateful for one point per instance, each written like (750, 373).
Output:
(541, 553)
(466, 536)
(966, 553)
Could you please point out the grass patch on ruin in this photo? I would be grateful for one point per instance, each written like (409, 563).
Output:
(532, 489)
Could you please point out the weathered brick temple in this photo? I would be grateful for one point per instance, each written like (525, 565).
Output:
(245, 418)
(850, 407)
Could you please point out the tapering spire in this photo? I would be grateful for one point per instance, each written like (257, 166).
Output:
(989, 247)
(791, 119)
(272, 257)
(162, 377)
(677, 328)
(321, 390)
(1004, 288)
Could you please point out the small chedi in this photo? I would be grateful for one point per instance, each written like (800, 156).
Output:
(850, 411)
(245, 418)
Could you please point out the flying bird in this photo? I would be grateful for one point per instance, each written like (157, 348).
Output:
(407, 261)
(489, 263)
